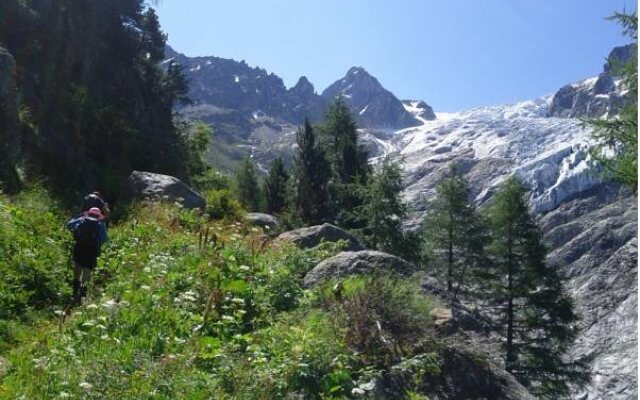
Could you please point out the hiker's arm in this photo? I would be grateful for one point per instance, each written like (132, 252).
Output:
(104, 237)
(73, 223)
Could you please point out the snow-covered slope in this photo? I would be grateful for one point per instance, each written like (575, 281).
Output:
(490, 143)
(589, 223)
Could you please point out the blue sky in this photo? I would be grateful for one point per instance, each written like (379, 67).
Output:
(453, 54)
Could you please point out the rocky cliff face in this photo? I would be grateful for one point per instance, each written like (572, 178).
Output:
(372, 104)
(594, 97)
(590, 224)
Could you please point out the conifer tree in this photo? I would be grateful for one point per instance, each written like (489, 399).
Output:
(537, 316)
(275, 187)
(312, 174)
(349, 165)
(247, 188)
(617, 138)
(383, 211)
(455, 236)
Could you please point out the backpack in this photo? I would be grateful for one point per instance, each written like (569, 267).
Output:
(86, 234)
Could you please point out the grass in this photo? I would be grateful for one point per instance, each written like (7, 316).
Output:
(172, 315)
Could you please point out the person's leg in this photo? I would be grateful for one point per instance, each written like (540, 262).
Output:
(75, 285)
(84, 280)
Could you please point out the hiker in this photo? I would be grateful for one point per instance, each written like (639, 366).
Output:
(94, 199)
(90, 233)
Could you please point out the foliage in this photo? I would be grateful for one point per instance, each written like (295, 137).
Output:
(175, 313)
(211, 180)
(223, 204)
(275, 187)
(383, 211)
(348, 161)
(617, 137)
(197, 139)
(32, 239)
(100, 105)
(247, 188)
(537, 316)
(312, 173)
(386, 318)
(455, 235)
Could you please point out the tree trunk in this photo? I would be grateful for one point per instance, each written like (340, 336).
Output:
(450, 271)
(511, 355)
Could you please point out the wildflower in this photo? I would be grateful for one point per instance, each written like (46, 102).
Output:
(85, 385)
(110, 305)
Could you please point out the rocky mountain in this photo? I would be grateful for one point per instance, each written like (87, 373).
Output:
(589, 223)
(596, 96)
(372, 104)
(249, 107)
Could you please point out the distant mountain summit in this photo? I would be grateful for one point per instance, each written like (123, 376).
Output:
(372, 104)
(236, 87)
(594, 97)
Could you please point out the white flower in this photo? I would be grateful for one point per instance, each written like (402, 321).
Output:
(85, 385)
(145, 287)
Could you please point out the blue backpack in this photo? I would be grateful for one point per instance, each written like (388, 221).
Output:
(87, 233)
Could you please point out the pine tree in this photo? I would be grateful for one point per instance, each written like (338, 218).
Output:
(383, 210)
(617, 138)
(275, 187)
(312, 174)
(247, 188)
(537, 316)
(349, 165)
(455, 236)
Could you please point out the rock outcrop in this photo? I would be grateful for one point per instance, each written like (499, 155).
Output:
(151, 186)
(371, 104)
(312, 236)
(357, 263)
(594, 97)
(462, 375)
(593, 239)
(262, 220)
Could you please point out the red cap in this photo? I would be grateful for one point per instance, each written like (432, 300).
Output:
(94, 212)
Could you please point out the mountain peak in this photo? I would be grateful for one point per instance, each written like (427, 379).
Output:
(372, 104)
(357, 71)
(303, 86)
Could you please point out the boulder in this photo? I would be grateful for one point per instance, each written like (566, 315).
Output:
(151, 186)
(267, 221)
(463, 374)
(357, 263)
(306, 238)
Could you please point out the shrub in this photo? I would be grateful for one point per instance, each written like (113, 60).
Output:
(223, 204)
(34, 254)
(385, 317)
